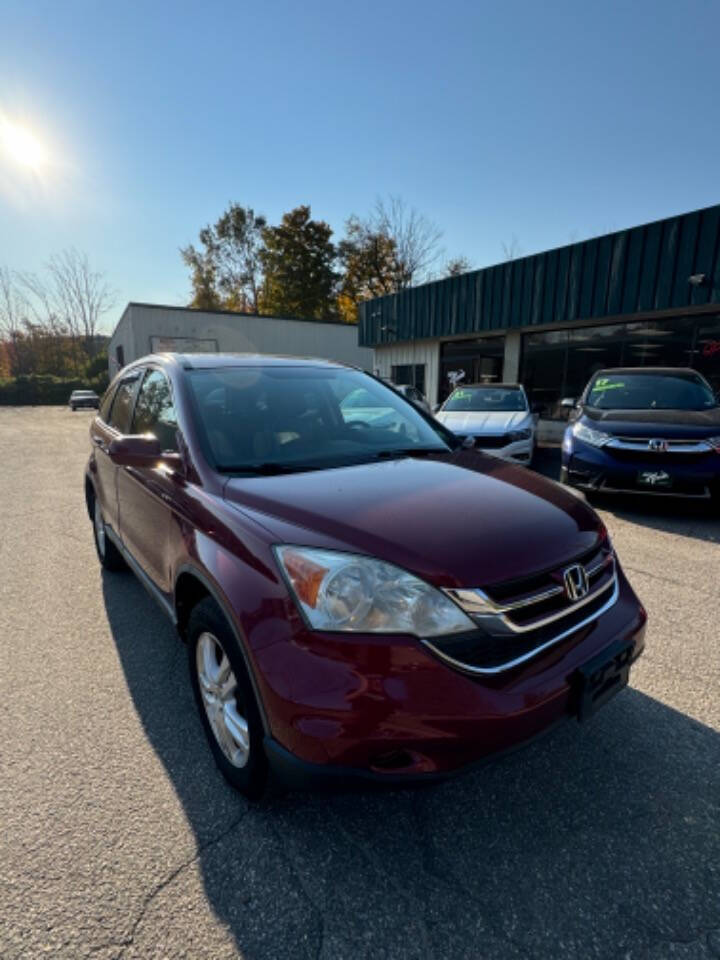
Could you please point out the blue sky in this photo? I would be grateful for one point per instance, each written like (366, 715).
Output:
(544, 121)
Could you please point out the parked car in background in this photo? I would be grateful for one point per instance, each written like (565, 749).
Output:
(648, 430)
(412, 394)
(494, 418)
(84, 398)
(361, 599)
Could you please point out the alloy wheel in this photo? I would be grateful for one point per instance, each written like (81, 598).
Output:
(219, 691)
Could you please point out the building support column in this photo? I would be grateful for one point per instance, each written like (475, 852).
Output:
(511, 363)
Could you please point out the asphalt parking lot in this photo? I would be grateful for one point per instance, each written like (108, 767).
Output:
(118, 838)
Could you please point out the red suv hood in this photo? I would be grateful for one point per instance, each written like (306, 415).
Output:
(458, 520)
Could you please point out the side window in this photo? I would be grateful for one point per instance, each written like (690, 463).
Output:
(154, 410)
(122, 405)
(107, 400)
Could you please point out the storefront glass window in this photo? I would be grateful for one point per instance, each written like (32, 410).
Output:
(706, 357)
(479, 360)
(543, 370)
(559, 363)
(409, 374)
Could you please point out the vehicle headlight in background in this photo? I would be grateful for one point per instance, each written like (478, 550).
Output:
(349, 592)
(714, 443)
(597, 438)
(516, 435)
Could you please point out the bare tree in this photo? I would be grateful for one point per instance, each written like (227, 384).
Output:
(511, 251)
(456, 266)
(79, 294)
(416, 239)
(12, 306)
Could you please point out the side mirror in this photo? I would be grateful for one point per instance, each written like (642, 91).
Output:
(135, 450)
(569, 402)
(468, 443)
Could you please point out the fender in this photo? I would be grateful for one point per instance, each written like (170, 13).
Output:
(216, 593)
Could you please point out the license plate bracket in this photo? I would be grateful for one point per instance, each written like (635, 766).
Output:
(654, 479)
(601, 678)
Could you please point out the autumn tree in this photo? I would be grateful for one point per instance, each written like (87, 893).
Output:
(227, 271)
(369, 266)
(298, 259)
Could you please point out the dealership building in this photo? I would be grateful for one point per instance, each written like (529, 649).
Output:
(646, 296)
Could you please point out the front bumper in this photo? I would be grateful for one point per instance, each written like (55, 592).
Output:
(387, 710)
(601, 470)
(521, 451)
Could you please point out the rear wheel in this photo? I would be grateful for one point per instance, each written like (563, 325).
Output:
(108, 554)
(226, 701)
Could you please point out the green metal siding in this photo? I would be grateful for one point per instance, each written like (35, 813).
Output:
(642, 269)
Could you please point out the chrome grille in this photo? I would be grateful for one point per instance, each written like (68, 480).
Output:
(518, 619)
(642, 445)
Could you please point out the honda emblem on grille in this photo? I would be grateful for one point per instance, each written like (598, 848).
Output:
(658, 446)
(576, 582)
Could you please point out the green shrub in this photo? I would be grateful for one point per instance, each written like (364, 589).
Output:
(39, 389)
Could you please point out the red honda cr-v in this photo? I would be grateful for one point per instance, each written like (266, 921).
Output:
(361, 597)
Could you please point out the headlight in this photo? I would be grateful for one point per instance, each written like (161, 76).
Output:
(714, 443)
(348, 592)
(516, 435)
(594, 437)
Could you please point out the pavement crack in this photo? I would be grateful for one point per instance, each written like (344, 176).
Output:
(158, 889)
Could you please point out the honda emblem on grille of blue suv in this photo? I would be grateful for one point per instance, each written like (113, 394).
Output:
(576, 582)
(658, 446)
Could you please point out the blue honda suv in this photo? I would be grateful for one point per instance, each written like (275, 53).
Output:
(650, 430)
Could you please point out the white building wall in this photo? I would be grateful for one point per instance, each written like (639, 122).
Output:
(144, 328)
(417, 351)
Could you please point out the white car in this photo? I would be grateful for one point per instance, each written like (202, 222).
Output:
(494, 417)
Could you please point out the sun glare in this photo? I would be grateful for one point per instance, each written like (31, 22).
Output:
(21, 146)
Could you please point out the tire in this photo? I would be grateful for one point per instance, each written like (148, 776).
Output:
(108, 554)
(73, 407)
(226, 701)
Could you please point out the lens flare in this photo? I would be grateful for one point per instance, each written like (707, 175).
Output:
(21, 146)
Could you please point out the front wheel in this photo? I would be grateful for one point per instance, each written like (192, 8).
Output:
(226, 701)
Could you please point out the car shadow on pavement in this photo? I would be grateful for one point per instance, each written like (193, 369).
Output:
(600, 841)
(697, 519)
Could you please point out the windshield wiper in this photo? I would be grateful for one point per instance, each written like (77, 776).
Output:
(407, 452)
(267, 469)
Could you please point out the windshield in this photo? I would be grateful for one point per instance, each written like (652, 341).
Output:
(486, 399)
(272, 419)
(649, 391)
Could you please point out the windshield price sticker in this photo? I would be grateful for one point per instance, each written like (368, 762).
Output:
(605, 383)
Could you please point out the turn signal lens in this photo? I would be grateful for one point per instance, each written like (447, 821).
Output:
(306, 576)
